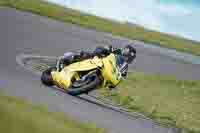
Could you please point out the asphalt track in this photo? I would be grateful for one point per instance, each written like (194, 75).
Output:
(26, 33)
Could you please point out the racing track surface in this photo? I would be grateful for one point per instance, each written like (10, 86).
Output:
(23, 32)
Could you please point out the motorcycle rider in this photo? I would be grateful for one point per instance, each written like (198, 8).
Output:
(71, 57)
(100, 51)
(127, 55)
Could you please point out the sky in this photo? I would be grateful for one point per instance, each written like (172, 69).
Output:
(180, 17)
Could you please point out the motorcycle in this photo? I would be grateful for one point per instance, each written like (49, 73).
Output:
(90, 74)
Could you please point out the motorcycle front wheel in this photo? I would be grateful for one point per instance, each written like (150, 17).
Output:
(83, 87)
(46, 77)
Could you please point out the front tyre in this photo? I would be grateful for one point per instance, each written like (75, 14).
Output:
(46, 77)
(80, 87)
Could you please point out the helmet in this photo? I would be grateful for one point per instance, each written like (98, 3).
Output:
(103, 51)
(68, 58)
(129, 53)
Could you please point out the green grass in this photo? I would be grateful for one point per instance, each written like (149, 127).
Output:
(162, 98)
(17, 116)
(100, 24)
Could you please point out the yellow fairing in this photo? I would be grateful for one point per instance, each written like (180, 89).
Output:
(63, 79)
(109, 71)
(86, 65)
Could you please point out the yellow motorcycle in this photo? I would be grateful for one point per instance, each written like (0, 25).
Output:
(90, 74)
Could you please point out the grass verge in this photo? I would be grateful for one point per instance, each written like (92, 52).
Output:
(44, 8)
(17, 116)
(164, 99)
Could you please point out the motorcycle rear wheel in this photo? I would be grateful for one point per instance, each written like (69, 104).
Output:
(81, 87)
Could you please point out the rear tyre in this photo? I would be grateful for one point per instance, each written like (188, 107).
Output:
(80, 87)
(46, 77)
